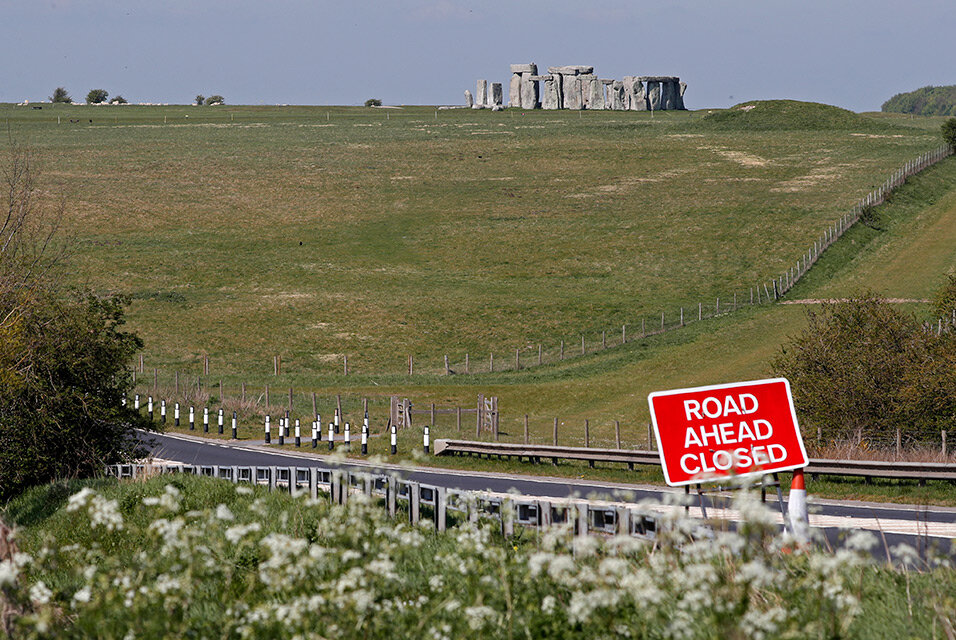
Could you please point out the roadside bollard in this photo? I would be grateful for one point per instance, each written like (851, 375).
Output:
(318, 427)
(797, 508)
(335, 417)
(235, 426)
(315, 435)
(348, 438)
(176, 414)
(425, 439)
(281, 431)
(136, 402)
(298, 434)
(331, 436)
(394, 437)
(149, 407)
(205, 419)
(268, 434)
(162, 411)
(220, 421)
(365, 438)
(192, 418)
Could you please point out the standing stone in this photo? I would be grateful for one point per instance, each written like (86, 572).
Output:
(637, 95)
(665, 95)
(571, 88)
(617, 95)
(680, 95)
(481, 97)
(529, 92)
(585, 80)
(496, 96)
(596, 101)
(469, 99)
(549, 96)
(514, 90)
(673, 95)
(654, 95)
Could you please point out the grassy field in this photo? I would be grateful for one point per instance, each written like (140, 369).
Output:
(314, 232)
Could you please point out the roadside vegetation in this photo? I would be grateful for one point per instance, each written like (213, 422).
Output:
(926, 101)
(193, 556)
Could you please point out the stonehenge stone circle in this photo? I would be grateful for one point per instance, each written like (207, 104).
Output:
(577, 87)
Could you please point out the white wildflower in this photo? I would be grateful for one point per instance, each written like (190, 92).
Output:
(223, 513)
(78, 500)
(549, 604)
(240, 531)
(479, 617)
(8, 573)
(436, 582)
(861, 540)
(40, 593)
(243, 490)
(561, 568)
(83, 595)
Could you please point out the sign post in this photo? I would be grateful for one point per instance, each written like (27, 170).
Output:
(715, 433)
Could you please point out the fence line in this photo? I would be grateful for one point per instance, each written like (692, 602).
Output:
(761, 293)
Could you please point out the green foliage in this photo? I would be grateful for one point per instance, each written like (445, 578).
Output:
(62, 353)
(196, 557)
(926, 101)
(787, 115)
(861, 369)
(214, 100)
(373, 102)
(118, 100)
(944, 302)
(949, 132)
(96, 96)
(200, 99)
(60, 95)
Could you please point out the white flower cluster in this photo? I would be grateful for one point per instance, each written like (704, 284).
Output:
(257, 565)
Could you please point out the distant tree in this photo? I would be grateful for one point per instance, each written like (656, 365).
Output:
(373, 102)
(945, 301)
(949, 132)
(96, 96)
(118, 100)
(200, 99)
(862, 368)
(60, 95)
(214, 100)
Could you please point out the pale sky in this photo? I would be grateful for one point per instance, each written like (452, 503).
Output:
(851, 53)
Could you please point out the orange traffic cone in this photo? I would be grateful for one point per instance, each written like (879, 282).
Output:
(797, 508)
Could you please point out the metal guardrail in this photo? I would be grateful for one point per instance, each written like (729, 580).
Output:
(920, 471)
(586, 516)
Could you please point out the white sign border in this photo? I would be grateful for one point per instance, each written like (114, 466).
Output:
(714, 387)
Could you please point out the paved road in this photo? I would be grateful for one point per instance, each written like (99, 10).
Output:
(912, 524)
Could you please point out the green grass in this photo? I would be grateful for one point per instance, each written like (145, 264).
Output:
(469, 232)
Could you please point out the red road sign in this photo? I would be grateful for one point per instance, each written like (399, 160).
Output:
(708, 434)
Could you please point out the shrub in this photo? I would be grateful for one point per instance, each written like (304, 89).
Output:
(214, 100)
(62, 353)
(861, 369)
(96, 96)
(118, 100)
(373, 102)
(949, 132)
(200, 99)
(60, 95)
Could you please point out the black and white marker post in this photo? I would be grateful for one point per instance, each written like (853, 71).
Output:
(425, 440)
(318, 427)
(176, 414)
(205, 419)
(149, 407)
(315, 434)
(298, 434)
(331, 436)
(136, 402)
(281, 431)
(192, 418)
(162, 411)
(235, 426)
(365, 438)
(348, 438)
(220, 421)
(394, 437)
(335, 417)
(268, 429)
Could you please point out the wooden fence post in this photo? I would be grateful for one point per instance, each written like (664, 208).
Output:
(617, 433)
(458, 419)
(587, 433)
(898, 442)
(526, 428)
(554, 435)
(466, 363)
(562, 350)
(411, 364)
(447, 371)
(623, 334)
(650, 437)
(491, 363)
(517, 359)
(582, 344)
(205, 365)
(345, 364)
